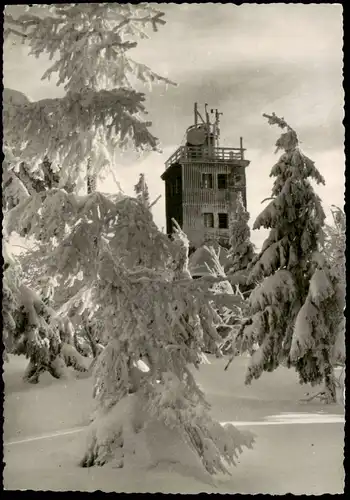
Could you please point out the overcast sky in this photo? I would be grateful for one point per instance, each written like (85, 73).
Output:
(246, 60)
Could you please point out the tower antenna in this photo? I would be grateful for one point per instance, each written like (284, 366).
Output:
(216, 125)
(209, 143)
(217, 116)
(217, 129)
(207, 115)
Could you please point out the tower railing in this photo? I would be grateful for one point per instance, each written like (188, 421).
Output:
(199, 154)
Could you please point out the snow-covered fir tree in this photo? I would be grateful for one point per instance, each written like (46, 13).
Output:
(296, 310)
(241, 251)
(100, 111)
(32, 328)
(155, 322)
(155, 319)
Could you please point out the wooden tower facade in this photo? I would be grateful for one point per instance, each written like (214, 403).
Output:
(202, 180)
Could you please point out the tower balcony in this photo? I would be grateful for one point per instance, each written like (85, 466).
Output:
(200, 154)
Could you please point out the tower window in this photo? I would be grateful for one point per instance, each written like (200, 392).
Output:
(208, 220)
(222, 181)
(223, 221)
(207, 181)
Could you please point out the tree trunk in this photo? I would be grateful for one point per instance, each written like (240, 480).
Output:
(89, 335)
(329, 379)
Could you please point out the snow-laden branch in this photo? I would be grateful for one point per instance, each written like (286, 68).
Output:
(71, 129)
(89, 45)
(89, 42)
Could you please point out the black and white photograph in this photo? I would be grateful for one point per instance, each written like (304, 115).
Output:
(173, 242)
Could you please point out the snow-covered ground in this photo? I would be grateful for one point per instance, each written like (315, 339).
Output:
(298, 449)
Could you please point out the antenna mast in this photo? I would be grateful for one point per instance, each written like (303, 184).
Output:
(207, 122)
(216, 125)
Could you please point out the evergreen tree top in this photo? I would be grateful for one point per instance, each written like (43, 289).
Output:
(102, 110)
(89, 42)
